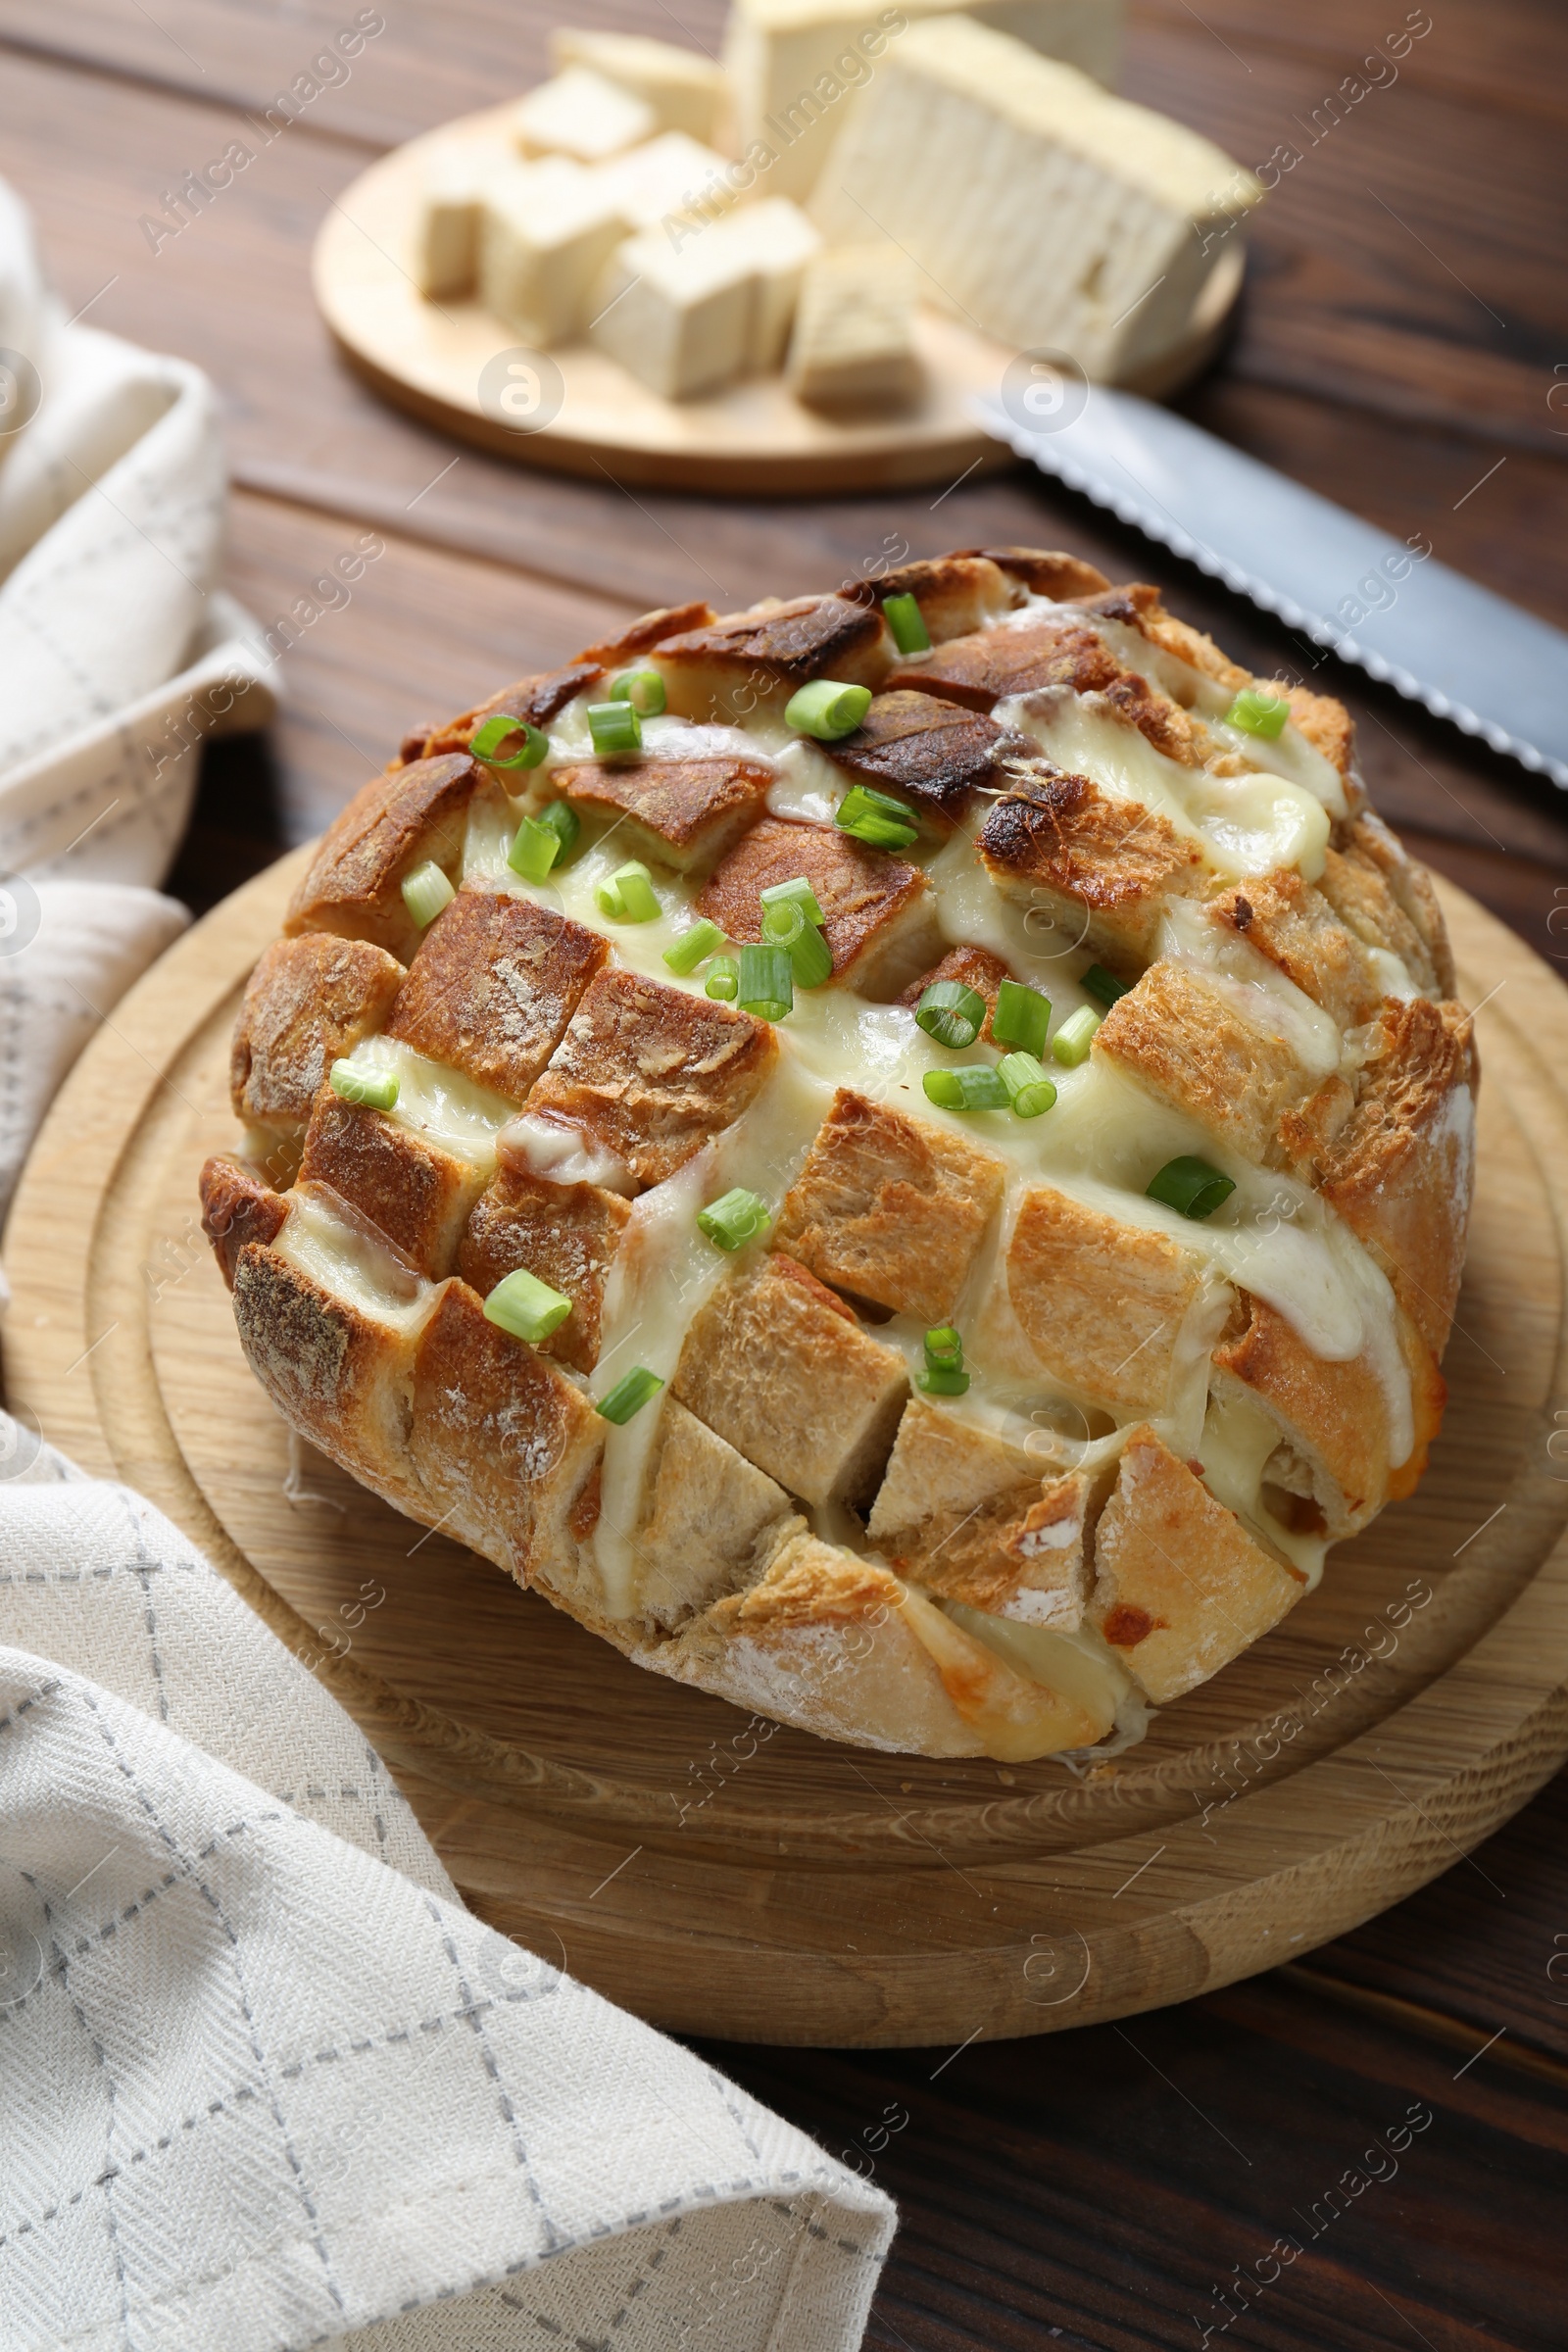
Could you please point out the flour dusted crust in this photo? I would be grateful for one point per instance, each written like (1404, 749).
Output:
(1168, 1421)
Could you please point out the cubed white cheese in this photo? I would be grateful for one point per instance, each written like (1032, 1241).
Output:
(779, 241)
(581, 114)
(796, 67)
(673, 178)
(854, 340)
(1037, 207)
(684, 90)
(545, 232)
(686, 318)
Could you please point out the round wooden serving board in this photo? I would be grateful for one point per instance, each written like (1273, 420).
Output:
(721, 1875)
(755, 438)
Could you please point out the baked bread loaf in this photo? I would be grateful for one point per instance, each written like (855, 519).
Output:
(651, 1172)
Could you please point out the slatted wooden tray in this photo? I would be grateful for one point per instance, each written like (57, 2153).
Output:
(724, 1876)
(755, 438)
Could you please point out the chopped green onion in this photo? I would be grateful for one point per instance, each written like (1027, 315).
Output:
(630, 1396)
(942, 1383)
(797, 892)
(487, 741)
(1022, 1018)
(565, 824)
(1105, 985)
(1259, 713)
(534, 849)
(644, 689)
(905, 619)
(943, 1349)
(951, 1013)
(628, 896)
(378, 1089)
(692, 946)
(975, 1088)
(1072, 1039)
(1029, 1089)
(874, 817)
(733, 1220)
(723, 979)
(1191, 1185)
(614, 728)
(810, 956)
(526, 1306)
(765, 982)
(827, 708)
(425, 892)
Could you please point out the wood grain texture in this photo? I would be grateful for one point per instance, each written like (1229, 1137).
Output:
(1411, 1702)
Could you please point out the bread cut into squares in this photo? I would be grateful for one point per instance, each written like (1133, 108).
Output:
(308, 1003)
(878, 919)
(755, 660)
(565, 1233)
(684, 812)
(411, 1189)
(649, 629)
(705, 1508)
(782, 1369)
(1297, 929)
(539, 699)
(1102, 1303)
(494, 982)
(1185, 1038)
(1103, 867)
(971, 967)
(891, 1207)
(958, 595)
(400, 819)
(916, 746)
(1045, 572)
(237, 1206)
(1026, 658)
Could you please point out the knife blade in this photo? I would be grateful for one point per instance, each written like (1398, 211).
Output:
(1402, 616)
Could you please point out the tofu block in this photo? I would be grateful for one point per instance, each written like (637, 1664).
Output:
(878, 914)
(308, 1003)
(689, 306)
(546, 234)
(684, 812)
(673, 178)
(966, 141)
(354, 884)
(447, 238)
(684, 90)
(780, 242)
(567, 1233)
(797, 67)
(853, 341)
(582, 115)
(493, 985)
(782, 1370)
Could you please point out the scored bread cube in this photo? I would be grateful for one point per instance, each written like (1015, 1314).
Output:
(1102, 1303)
(538, 698)
(878, 913)
(1103, 867)
(974, 967)
(685, 812)
(956, 594)
(651, 1073)
(891, 1208)
(755, 660)
(1044, 572)
(415, 1192)
(354, 884)
(784, 1372)
(853, 344)
(237, 1206)
(939, 752)
(582, 115)
(308, 1001)
(986, 667)
(1295, 926)
(649, 629)
(545, 232)
(566, 1234)
(503, 1441)
(1189, 1041)
(1180, 1586)
(685, 92)
(494, 984)
(704, 1508)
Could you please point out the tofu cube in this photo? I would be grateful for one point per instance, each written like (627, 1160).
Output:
(673, 178)
(493, 985)
(567, 1233)
(853, 341)
(685, 92)
(779, 241)
(582, 115)
(544, 236)
(676, 318)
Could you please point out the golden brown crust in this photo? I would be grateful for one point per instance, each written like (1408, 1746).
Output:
(974, 968)
(685, 812)
(308, 1003)
(640, 636)
(985, 668)
(394, 824)
(1183, 1036)
(705, 1508)
(955, 594)
(410, 1189)
(538, 700)
(936, 752)
(651, 1073)
(1370, 842)
(1295, 926)
(734, 665)
(494, 984)
(237, 1207)
(876, 908)
(890, 1207)
(1046, 571)
(1062, 836)
(1327, 724)
(1102, 1303)
(566, 1234)
(1333, 1418)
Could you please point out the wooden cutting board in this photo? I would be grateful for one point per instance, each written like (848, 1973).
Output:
(446, 361)
(723, 1875)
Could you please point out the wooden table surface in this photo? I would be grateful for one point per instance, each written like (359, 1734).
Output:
(1402, 348)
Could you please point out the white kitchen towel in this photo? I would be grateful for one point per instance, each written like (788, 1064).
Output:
(264, 2081)
(119, 652)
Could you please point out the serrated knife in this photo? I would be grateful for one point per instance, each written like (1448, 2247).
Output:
(1405, 618)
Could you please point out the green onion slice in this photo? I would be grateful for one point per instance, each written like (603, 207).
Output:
(614, 728)
(1105, 985)
(378, 1089)
(1190, 1185)
(1073, 1038)
(765, 982)
(644, 689)
(827, 708)
(425, 892)
(944, 1349)
(1029, 1089)
(1258, 713)
(563, 820)
(810, 957)
(1022, 1018)
(797, 892)
(487, 741)
(975, 1088)
(724, 978)
(534, 849)
(630, 1396)
(951, 1013)
(526, 1306)
(694, 947)
(628, 896)
(937, 1383)
(874, 817)
(906, 622)
(734, 1219)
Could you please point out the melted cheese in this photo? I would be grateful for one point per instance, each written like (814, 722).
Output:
(436, 1100)
(351, 1264)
